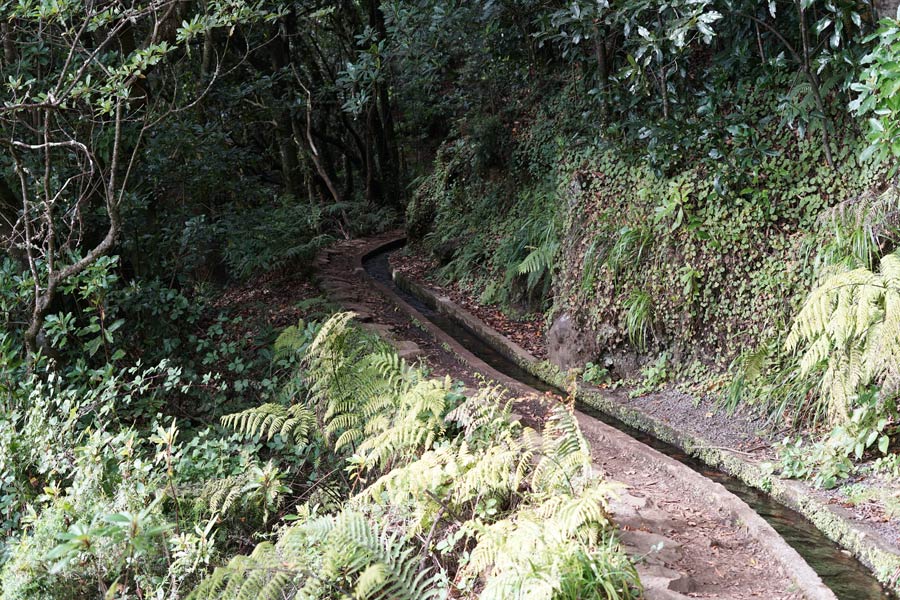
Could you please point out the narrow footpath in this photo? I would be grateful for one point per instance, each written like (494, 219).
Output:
(694, 539)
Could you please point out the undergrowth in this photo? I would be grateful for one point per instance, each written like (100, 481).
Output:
(448, 495)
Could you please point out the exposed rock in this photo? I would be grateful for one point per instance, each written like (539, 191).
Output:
(656, 580)
(363, 312)
(382, 329)
(571, 345)
(623, 363)
(446, 251)
(683, 585)
(408, 351)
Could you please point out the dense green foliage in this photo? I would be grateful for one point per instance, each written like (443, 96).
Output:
(680, 194)
(706, 187)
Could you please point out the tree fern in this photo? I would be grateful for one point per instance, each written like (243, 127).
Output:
(850, 328)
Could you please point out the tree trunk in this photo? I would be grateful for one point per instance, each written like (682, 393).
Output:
(602, 69)
(813, 79)
(284, 125)
(383, 132)
(9, 49)
(887, 8)
(9, 214)
(371, 192)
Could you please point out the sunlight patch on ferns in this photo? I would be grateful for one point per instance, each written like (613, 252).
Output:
(337, 556)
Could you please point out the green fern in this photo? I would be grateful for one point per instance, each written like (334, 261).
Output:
(413, 424)
(766, 377)
(747, 370)
(296, 338)
(352, 380)
(850, 328)
(858, 230)
(485, 418)
(344, 556)
(565, 456)
(539, 262)
(543, 246)
(544, 549)
(529, 503)
(292, 423)
(258, 486)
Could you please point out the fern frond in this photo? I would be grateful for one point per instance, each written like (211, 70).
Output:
(849, 327)
(295, 339)
(292, 423)
(565, 463)
(342, 552)
(222, 493)
(530, 502)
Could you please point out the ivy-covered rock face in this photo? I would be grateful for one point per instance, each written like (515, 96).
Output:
(708, 260)
(707, 256)
(688, 250)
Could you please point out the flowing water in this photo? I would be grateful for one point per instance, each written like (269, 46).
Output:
(847, 577)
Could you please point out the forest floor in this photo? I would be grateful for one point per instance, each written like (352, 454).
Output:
(688, 545)
(869, 500)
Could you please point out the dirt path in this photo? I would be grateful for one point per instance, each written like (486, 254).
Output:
(696, 539)
(706, 552)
